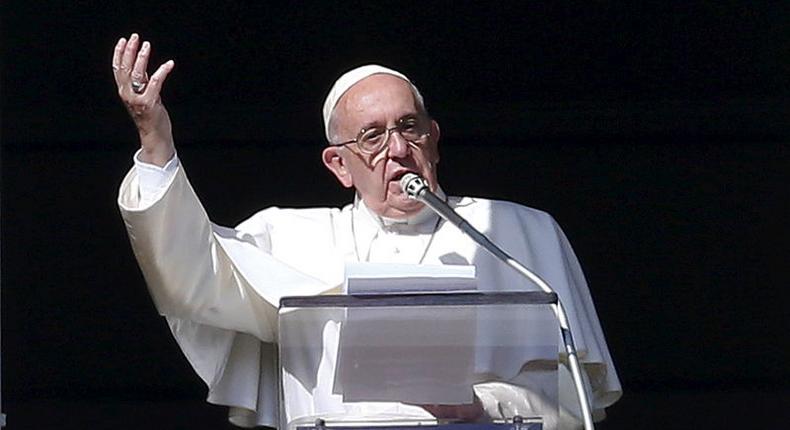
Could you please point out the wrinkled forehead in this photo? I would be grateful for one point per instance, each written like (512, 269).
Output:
(348, 80)
(376, 97)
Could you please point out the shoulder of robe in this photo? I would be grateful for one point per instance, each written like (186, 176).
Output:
(277, 217)
(516, 228)
(502, 210)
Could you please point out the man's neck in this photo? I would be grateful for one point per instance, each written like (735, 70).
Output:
(424, 215)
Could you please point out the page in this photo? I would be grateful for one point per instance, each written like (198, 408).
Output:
(382, 278)
(418, 355)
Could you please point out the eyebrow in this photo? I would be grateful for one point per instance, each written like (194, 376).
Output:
(410, 115)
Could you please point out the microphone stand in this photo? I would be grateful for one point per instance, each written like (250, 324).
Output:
(417, 188)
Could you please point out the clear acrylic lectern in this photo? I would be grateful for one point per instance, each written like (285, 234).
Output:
(370, 361)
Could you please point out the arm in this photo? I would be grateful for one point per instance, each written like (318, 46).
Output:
(218, 287)
(195, 270)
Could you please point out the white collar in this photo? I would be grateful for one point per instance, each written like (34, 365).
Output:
(366, 225)
(423, 221)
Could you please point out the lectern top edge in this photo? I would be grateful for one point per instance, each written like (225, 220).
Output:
(420, 299)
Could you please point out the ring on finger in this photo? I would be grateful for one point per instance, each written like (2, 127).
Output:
(115, 67)
(138, 87)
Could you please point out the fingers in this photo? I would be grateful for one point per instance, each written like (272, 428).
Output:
(129, 53)
(129, 66)
(141, 63)
(116, 55)
(158, 78)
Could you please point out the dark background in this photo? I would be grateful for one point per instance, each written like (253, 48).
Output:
(656, 134)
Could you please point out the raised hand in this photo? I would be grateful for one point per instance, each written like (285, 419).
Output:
(140, 95)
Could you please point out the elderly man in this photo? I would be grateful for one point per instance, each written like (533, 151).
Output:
(219, 287)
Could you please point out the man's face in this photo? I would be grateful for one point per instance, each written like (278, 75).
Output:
(382, 100)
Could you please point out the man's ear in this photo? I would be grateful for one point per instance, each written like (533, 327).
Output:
(334, 161)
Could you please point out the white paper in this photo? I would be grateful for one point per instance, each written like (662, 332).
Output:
(414, 355)
(382, 278)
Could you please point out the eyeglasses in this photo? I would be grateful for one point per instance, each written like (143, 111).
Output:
(372, 140)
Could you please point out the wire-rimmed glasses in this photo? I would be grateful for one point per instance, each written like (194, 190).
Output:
(372, 140)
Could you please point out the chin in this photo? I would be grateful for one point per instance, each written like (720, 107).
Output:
(402, 209)
(395, 205)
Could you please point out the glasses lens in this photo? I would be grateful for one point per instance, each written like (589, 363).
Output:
(410, 130)
(370, 140)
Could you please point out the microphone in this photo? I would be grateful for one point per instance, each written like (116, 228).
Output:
(417, 188)
(413, 185)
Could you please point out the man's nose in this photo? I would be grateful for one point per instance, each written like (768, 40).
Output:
(397, 146)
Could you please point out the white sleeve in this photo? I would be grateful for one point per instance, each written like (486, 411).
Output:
(152, 179)
(200, 271)
(218, 287)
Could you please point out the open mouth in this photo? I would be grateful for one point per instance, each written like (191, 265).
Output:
(394, 181)
(398, 175)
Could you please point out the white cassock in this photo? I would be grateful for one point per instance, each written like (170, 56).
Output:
(219, 288)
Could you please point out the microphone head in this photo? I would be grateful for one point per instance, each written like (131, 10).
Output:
(412, 184)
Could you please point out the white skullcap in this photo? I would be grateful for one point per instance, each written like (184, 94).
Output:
(343, 83)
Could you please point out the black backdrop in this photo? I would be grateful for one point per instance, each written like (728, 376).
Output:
(655, 134)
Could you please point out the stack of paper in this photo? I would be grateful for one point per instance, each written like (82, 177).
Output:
(419, 355)
(375, 278)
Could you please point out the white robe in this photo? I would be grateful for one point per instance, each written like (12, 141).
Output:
(219, 288)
